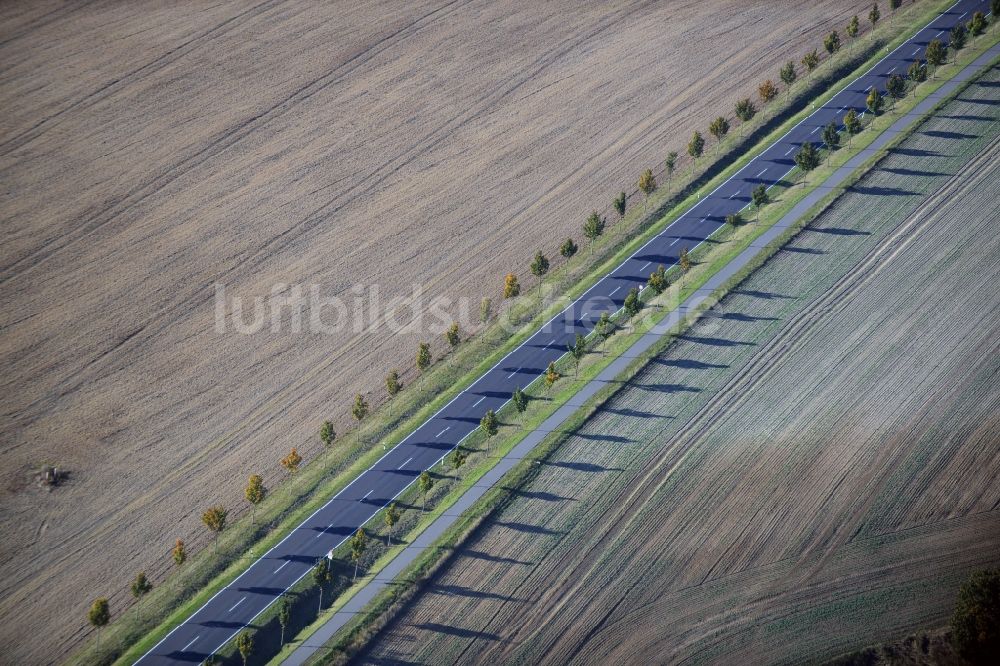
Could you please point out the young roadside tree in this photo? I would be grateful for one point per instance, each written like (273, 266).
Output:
(255, 493)
(745, 111)
(873, 17)
(852, 30)
(452, 335)
(578, 349)
(977, 25)
(633, 304)
(511, 287)
(359, 410)
(424, 350)
(99, 615)
(719, 128)
(179, 553)
(245, 645)
(551, 375)
(760, 198)
(831, 137)
(291, 462)
(670, 163)
(895, 85)
(917, 73)
(685, 261)
(788, 76)
(935, 55)
(520, 400)
(974, 625)
(391, 517)
(215, 520)
(593, 228)
(392, 387)
(458, 458)
(605, 327)
(696, 146)
(647, 184)
(658, 281)
(767, 91)
(539, 267)
(321, 576)
(359, 543)
(425, 484)
(140, 588)
(807, 159)
(957, 39)
(810, 61)
(490, 425)
(485, 310)
(568, 249)
(852, 125)
(620, 202)
(832, 42)
(327, 434)
(874, 103)
(284, 616)
(734, 220)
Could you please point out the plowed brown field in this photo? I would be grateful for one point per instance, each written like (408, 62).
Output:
(810, 470)
(151, 150)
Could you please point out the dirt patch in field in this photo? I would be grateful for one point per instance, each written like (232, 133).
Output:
(808, 470)
(151, 150)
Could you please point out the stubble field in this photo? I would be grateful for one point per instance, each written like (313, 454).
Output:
(149, 151)
(808, 471)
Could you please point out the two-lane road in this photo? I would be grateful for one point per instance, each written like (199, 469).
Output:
(236, 606)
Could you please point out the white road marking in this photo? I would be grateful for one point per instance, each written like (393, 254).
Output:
(615, 291)
(366, 495)
(939, 34)
(891, 70)
(646, 266)
(814, 130)
(789, 150)
(963, 14)
(184, 649)
(282, 566)
(484, 397)
(869, 87)
(675, 242)
(237, 604)
(761, 173)
(508, 377)
(404, 464)
(442, 432)
(916, 52)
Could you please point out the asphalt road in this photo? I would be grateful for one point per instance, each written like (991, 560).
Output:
(236, 606)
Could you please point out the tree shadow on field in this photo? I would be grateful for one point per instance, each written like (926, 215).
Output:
(480, 555)
(880, 192)
(766, 295)
(984, 102)
(689, 364)
(585, 467)
(665, 388)
(460, 591)
(838, 231)
(912, 172)
(389, 661)
(524, 527)
(941, 134)
(541, 495)
(959, 116)
(600, 437)
(715, 342)
(632, 413)
(739, 316)
(455, 631)
(914, 152)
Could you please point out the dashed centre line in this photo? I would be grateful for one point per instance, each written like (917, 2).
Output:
(484, 397)
(441, 433)
(184, 649)
(237, 604)
(282, 566)
(404, 464)
(675, 242)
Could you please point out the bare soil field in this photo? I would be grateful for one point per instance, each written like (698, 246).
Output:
(808, 470)
(149, 151)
